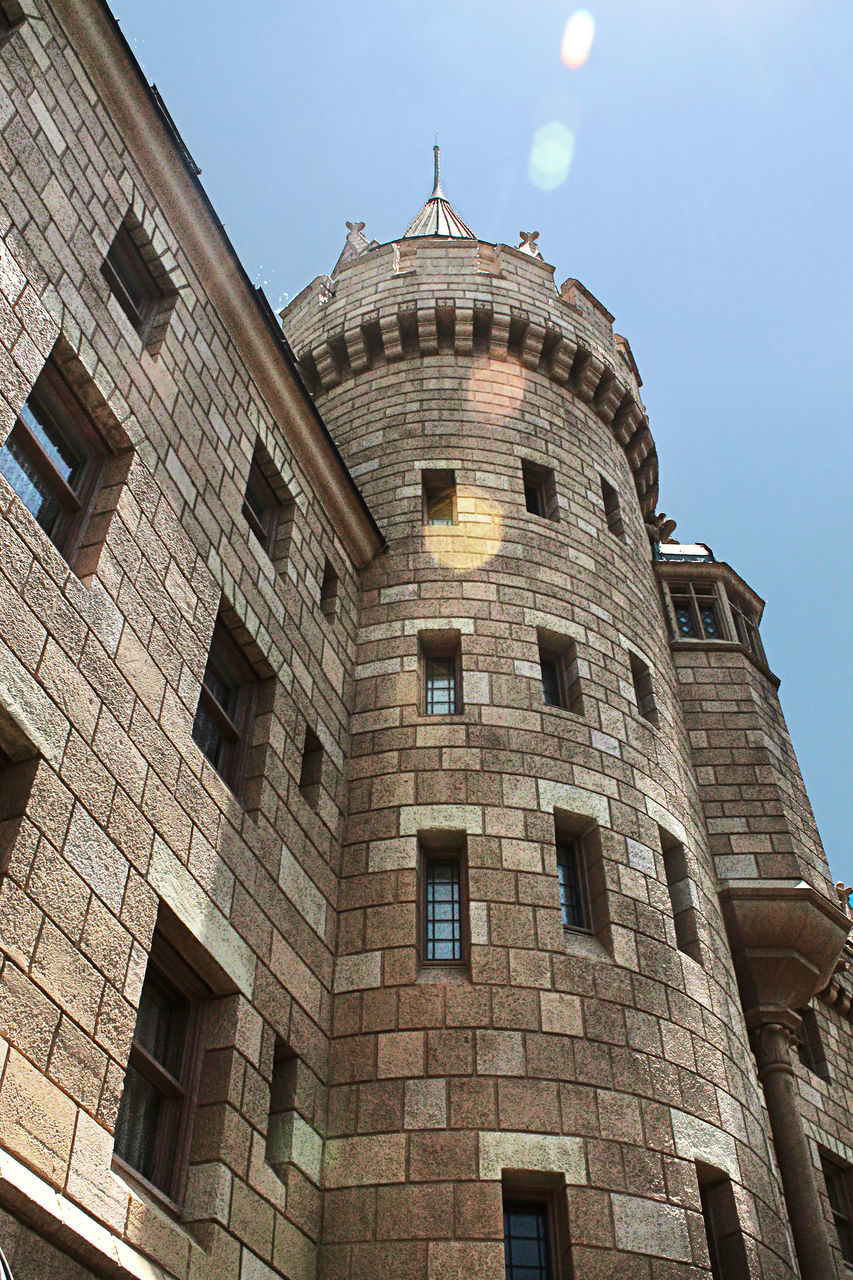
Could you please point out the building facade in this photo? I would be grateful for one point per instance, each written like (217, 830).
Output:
(406, 870)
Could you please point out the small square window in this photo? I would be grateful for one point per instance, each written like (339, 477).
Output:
(138, 282)
(612, 510)
(444, 902)
(154, 1124)
(558, 663)
(643, 688)
(540, 490)
(572, 880)
(439, 497)
(440, 673)
(53, 458)
(224, 720)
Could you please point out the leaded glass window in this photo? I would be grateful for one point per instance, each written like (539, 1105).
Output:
(443, 910)
(526, 1246)
(572, 895)
(696, 610)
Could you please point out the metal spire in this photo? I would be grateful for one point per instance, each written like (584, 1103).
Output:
(438, 217)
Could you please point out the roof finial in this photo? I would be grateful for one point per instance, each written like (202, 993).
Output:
(436, 152)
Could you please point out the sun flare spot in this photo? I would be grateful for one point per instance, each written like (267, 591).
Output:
(577, 40)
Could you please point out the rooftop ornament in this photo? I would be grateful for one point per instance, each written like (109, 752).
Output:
(438, 217)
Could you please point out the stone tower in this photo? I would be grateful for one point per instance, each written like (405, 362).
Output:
(575, 821)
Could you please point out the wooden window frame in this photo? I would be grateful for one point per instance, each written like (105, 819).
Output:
(837, 1174)
(235, 730)
(746, 627)
(696, 595)
(561, 651)
(612, 509)
(126, 270)
(540, 487)
(437, 486)
(174, 1127)
(440, 646)
(644, 688)
(547, 1191)
(70, 420)
(571, 846)
(436, 847)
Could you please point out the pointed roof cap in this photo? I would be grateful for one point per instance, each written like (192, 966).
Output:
(438, 217)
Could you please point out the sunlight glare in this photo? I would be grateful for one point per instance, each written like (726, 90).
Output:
(577, 39)
(551, 155)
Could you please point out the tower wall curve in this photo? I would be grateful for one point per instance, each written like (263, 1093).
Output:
(605, 1064)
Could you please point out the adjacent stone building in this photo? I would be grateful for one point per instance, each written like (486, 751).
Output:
(406, 871)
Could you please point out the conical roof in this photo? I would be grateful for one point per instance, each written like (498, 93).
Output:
(438, 217)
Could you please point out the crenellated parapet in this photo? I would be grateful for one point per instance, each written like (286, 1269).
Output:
(418, 298)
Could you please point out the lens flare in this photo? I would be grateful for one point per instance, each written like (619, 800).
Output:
(577, 39)
(475, 539)
(551, 155)
(495, 391)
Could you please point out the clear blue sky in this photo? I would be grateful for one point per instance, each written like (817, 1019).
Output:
(709, 205)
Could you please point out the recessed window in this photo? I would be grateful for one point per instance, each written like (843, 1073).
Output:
(612, 509)
(311, 773)
(268, 506)
(527, 1240)
(681, 891)
(439, 497)
(17, 774)
(809, 1044)
(837, 1180)
(643, 688)
(540, 490)
(138, 282)
(53, 457)
(282, 1105)
(329, 591)
(224, 720)
(440, 673)
(726, 1249)
(746, 625)
(696, 609)
(558, 662)
(155, 1114)
(443, 899)
(572, 880)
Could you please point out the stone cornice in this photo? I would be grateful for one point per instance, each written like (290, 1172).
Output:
(431, 324)
(116, 75)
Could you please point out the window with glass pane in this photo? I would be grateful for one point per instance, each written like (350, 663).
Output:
(838, 1191)
(746, 626)
(526, 1244)
(154, 1116)
(439, 497)
(440, 685)
(261, 506)
(443, 910)
(540, 490)
(572, 889)
(696, 610)
(552, 695)
(223, 720)
(52, 457)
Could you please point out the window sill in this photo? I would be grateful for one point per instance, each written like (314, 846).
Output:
(432, 974)
(579, 942)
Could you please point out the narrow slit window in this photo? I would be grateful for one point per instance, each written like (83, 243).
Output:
(809, 1044)
(681, 891)
(261, 506)
(570, 873)
(154, 1123)
(540, 490)
(442, 909)
(53, 458)
(612, 509)
(224, 719)
(439, 497)
(329, 590)
(837, 1180)
(527, 1240)
(138, 282)
(311, 773)
(643, 688)
(558, 663)
(440, 674)
(283, 1089)
(726, 1249)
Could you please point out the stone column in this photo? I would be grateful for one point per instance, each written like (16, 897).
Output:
(771, 1042)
